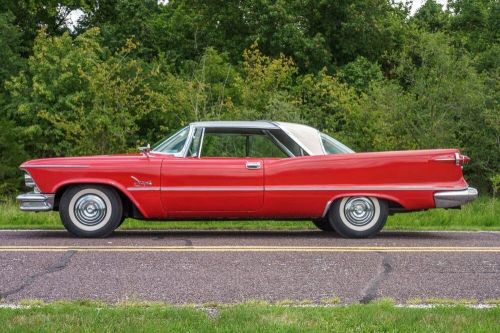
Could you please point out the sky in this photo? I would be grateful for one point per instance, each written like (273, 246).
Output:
(416, 4)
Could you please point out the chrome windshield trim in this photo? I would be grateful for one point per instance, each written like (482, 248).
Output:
(183, 151)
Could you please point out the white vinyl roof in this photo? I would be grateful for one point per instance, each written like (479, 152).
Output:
(307, 137)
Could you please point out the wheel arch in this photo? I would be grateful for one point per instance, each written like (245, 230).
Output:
(130, 206)
(393, 202)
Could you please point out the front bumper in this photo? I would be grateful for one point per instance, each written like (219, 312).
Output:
(449, 199)
(36, 202)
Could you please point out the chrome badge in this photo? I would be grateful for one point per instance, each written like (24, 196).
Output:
(142, 183)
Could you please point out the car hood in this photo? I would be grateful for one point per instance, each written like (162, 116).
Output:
(83, 160)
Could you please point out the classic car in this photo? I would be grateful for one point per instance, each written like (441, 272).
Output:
(246, 170)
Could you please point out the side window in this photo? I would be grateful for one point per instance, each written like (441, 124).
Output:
(175, 143)
(262, 146)
(286, 141)
(223, 145)
(231, 143)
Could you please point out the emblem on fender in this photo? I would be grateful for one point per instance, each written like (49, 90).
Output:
(138, 182)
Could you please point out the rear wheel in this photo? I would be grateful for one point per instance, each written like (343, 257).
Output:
(91, 210)
(358, 217)
(323, 224)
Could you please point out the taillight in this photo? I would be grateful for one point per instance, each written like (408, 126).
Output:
(461, 159)
(458, 158)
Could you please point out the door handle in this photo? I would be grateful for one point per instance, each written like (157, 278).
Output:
(253, 165)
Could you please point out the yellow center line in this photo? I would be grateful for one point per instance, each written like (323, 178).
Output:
(89, 248)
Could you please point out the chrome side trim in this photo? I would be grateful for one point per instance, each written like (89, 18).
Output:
(292, 188)
(212, 188)
(62, 166)
(355, 188)
(35, 202)
(450, 199)
(145, 188)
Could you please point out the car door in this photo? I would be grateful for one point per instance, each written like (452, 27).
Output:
(215, 176)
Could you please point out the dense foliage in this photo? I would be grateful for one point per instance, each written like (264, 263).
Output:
(365, 71)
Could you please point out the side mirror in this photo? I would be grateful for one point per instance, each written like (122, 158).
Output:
(145, 150)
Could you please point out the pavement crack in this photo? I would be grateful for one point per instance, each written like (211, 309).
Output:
(371, 290)
(58, 266)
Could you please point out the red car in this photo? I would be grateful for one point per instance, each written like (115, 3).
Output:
(246, 170)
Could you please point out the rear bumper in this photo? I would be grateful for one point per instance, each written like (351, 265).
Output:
(35, 202)
(449, 199)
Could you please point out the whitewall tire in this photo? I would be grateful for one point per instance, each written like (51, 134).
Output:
(358, 217)
(91, 210)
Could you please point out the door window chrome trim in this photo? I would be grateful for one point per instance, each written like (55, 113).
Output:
(279, 143)
(201, 141)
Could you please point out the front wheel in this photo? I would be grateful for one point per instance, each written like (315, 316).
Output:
(358, 217)
(91, 210)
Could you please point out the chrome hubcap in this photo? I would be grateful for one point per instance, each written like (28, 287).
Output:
(359, 211)
(90, 209)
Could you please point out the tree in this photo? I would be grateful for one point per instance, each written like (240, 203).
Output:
(438, 100)
(77, 98)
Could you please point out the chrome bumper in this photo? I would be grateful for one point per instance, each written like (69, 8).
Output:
(35, 202)
(449, 199)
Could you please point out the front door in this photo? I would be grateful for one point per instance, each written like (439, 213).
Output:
(212, 185)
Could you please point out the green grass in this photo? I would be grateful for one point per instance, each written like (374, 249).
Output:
(251, 317)
(482, 214)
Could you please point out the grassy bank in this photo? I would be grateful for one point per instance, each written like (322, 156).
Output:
(482, 214)
(379, 317)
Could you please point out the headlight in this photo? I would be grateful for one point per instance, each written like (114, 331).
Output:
(28, 181)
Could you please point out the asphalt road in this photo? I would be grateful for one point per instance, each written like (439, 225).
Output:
(233, 266)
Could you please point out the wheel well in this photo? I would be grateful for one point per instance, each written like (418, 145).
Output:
(394, 206)
(129, 209)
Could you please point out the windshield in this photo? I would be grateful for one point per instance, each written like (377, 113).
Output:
(173, 144)
(333, 146)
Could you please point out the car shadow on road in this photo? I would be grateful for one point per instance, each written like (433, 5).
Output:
(273, 234)
(248, 234)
